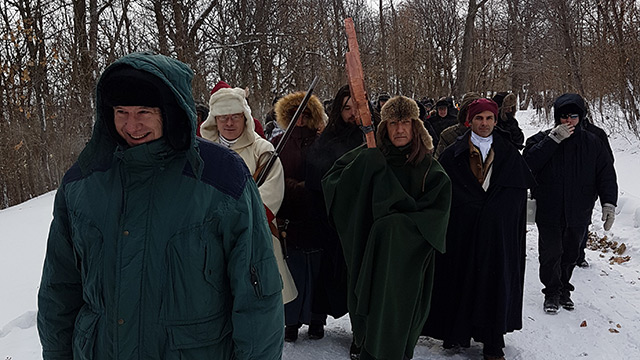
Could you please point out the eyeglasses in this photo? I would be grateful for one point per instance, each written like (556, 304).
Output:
(234, 117)
(569, 116)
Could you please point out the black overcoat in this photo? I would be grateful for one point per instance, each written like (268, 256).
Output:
(570, 176)
(330, 296)
(479, 281)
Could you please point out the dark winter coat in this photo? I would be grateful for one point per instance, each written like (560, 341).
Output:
(600, 134)
(331, 297)
(158, 253)
(295, 206)
(435, 136)
(391, 217)
(441, 123)
(510, 125)
(448, 136)
(478, 285)
(296, 200)
(570, 175)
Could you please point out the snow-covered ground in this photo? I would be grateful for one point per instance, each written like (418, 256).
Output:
(607, 295)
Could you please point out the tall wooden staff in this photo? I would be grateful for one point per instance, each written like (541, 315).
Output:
(356, 84)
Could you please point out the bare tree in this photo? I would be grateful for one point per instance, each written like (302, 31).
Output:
(467, 43)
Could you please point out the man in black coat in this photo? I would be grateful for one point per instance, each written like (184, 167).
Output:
(339, 136)
(478, 286)
(598, 132)
(444, 117)
(572, 168)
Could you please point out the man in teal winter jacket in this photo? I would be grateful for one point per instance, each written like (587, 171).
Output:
(159, 246)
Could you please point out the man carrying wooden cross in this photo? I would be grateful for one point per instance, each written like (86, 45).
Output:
(390, 206)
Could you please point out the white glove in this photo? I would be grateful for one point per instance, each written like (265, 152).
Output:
(608, 216)
(561, 132)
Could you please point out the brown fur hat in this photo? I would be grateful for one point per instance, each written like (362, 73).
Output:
(401, 107)
(286, 107)
(509, 102)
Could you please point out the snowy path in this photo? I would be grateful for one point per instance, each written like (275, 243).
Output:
(606, 295)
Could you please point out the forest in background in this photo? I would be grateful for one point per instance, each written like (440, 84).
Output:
(53, 51)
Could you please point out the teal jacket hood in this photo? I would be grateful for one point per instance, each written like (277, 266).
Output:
(178, 123)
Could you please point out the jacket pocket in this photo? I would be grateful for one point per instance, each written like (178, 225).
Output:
(265, 278)
(200, 333)
(88, 248)
(84, 334)
(194, 287)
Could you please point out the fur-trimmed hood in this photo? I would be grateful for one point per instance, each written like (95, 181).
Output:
(401, 107)
(286, 107)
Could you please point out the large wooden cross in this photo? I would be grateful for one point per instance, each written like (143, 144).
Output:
(356, 84)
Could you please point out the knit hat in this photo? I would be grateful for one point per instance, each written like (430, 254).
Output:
(126, 86)
(480, 105)
(220, 85)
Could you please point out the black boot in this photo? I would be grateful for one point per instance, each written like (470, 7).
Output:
(316, 330)
(354, 351)
(551, 304)
(291, 333)
(566, 302)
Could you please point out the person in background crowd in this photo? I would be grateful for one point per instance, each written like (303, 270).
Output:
(230, 124)
(339, 136)
(162, 269)
(382, 98)
(257, 127)
(444, 117)
(202, 111)
(425, 123)
(303, 250)
(428, 104)
(376, 197)
(449, 135)
(479, 281)
(271, 128)
(507, 103)
(573, 168)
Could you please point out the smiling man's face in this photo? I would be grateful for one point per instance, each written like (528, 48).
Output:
(138, 124)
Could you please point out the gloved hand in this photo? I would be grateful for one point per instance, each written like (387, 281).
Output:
(608, 215)
(561, 132)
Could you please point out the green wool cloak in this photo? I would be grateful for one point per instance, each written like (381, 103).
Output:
(390, 217)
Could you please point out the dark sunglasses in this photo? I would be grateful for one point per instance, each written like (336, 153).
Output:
(567, 116)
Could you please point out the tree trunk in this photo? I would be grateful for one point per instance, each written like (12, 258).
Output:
(462, 76)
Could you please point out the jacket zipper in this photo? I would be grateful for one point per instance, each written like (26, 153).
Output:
(255, 281)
